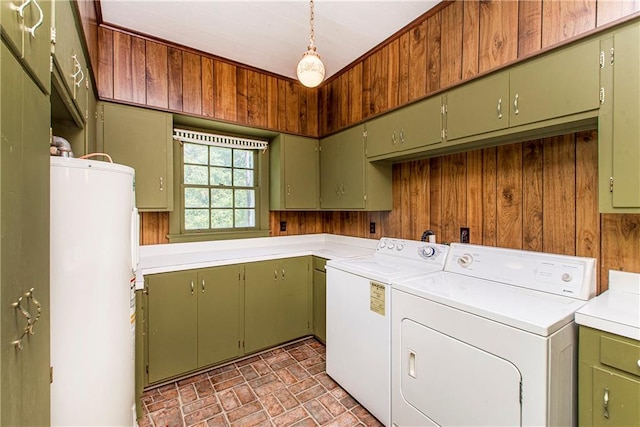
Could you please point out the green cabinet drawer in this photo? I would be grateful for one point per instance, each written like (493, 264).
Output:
(615, 400)
(620, 353)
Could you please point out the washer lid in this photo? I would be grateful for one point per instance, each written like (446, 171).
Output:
(536, 312)
(383, 269)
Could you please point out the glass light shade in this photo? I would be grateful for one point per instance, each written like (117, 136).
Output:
(310, 69)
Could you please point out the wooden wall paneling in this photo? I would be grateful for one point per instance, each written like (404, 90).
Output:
(367, 107)
(470, 38)
(421, 193)
(292, 106)
(559, 190)
(175, 79)
(154, 227)
(105, 63)
(355, 93)
(282, 104)
(224, 75)
(620, 248)
(207, 87)
(564, 19)
(407, 205)
(303, 109)
(509, 196)
(241, 95)
(403, 68)
(433, 52)
(157, 77)
(490, 196)
(331, 111)
(393, 74)
(529, 27)
(122, 79)
(498, 33)
(138, 71)
(379, 70)
(312, 113)
(343, 100)
(474, 196)
(272, 102)
(451, 44)
(418, 61)
(609, 11)
(192, 79)
(532, 202)
(395, 217)
(435, 197)
(454, 200)
(587, 217)
(295, 223)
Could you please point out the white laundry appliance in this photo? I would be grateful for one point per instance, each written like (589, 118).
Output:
(491, 340)
(359, 318)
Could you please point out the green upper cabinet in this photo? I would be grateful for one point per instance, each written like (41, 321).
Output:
(142, 139)
(294, 169)
(349, 180)
(558, 84)
(619, 127)
(26, 28)
(478, 107)
(415, 126)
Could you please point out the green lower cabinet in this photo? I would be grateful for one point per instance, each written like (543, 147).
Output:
(319, 299)
(608, 379)
(193, 320)
(276, 302)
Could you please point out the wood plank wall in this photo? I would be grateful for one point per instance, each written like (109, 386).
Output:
(140, 71)
(454, 43)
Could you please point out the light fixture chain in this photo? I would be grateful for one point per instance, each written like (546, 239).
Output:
(312, 44)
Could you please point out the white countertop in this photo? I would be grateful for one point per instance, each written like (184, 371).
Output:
(187, 256)
(617, 310)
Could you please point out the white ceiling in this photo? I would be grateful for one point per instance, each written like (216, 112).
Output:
(269, 35)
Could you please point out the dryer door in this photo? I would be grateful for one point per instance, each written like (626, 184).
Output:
(455, 384)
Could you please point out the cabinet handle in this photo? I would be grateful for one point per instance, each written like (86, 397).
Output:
(192, 287)
(161, 184)
(32, 30)
(393, 138)
(515, 105)
(203, 286)
(401, 136)
(288, 190)
(78, 71)
(342, 189)
(282, 273)
(499, 108)
(605, 403)
(275, 274)
(30, 295)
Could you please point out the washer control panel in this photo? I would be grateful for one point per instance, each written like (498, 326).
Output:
(412, 250)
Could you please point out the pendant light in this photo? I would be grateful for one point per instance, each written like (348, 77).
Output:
(310, 68)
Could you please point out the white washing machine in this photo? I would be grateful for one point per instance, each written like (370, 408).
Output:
(489, 341)
(359, 318)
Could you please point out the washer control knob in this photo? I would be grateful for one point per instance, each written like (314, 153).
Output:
(390, 245)
(465, 260)
(566, 277)
(382, 244)
(427, 251)
(400, 246)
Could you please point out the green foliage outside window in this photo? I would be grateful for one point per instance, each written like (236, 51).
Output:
(219, 187)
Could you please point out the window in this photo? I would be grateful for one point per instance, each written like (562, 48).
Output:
(220, 187)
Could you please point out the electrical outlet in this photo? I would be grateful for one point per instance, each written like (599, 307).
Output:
(372, 227)
(464, 234)
(283, 225)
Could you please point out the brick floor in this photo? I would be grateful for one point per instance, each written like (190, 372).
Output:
(285, 386)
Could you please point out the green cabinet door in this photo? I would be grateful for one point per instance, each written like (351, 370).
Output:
(261, 305)
(478, 107)
(319, 299)
(330, 171)
(352, 169)
(64, 48)
(616, 399)
(421, 124)
(293, 291)
(294, 173)
(558, 84)
(219, 314)
(142, 139)
(383, 134)
(172, 315)
(24, 247)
